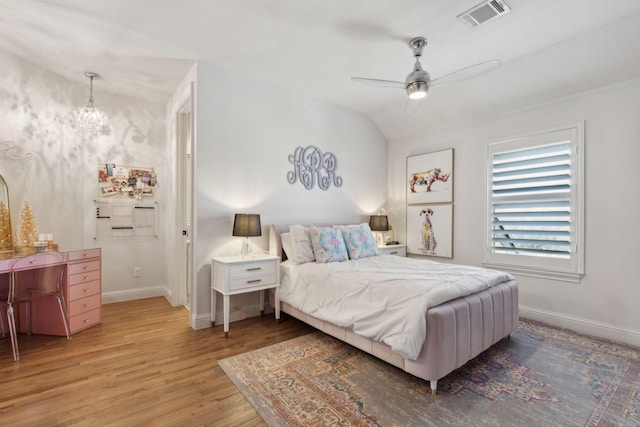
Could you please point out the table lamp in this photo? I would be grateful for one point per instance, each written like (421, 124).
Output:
(379, 223)
(246, 225)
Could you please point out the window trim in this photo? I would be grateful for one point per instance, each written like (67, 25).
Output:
(571, 270)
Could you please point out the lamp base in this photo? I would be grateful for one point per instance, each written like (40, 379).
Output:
(246, 250)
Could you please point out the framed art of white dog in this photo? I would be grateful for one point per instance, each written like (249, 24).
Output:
(430, 177)
(430, 230)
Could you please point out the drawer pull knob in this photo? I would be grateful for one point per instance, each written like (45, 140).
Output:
(85, 255)
(86, 320)
(33, 261)
(86, 289)
(254, 281)
(87, 305)
(85, 277)
(86, 267)
(254, 269)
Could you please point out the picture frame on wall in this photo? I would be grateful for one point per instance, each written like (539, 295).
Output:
(430, 230)
(430, 177)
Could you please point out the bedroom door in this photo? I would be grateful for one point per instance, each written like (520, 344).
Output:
(185, 186)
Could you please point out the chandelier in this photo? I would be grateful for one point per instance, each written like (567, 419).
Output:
(89, 117)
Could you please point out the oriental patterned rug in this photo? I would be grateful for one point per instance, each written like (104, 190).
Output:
(541, 377)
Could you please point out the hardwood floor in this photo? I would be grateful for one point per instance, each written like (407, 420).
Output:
(143, 365)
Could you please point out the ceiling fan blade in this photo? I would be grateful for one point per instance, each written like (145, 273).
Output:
(380, 83)
(466, 73)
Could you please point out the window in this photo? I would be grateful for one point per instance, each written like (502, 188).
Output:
(535, 204)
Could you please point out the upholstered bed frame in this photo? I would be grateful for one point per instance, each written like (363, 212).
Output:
(457, 331)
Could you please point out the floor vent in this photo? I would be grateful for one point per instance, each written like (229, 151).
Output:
(483, 12)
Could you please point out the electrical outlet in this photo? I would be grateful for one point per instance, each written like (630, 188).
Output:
(137, 272)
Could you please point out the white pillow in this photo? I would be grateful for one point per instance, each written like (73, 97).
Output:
(301, 245)
(287, 246)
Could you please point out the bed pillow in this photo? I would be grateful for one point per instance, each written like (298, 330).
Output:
(287, 246)
(359, 241)
(328, 244)
(302, 250)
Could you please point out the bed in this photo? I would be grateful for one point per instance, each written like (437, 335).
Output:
(441, 329)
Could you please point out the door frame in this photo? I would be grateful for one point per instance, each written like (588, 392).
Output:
(184, 206)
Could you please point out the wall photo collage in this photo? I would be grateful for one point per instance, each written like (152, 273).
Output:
(126, 181)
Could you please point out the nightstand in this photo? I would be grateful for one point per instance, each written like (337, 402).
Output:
(233, 275)
(399, 250)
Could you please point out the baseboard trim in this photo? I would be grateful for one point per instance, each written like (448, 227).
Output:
(583, 326)
(134, 294)
(201, 321)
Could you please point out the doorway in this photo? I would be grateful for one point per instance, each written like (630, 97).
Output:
(184, 145)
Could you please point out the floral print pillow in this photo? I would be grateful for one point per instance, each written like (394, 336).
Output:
(359, 241)
(328, 244)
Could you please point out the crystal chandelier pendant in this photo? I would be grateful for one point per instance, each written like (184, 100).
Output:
(89, 117)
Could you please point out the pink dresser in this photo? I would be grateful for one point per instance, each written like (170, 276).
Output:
(82, 287)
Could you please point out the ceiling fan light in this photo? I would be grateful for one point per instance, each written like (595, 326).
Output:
(417, 90)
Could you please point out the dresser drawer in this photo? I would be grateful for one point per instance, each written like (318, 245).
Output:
(88, 253)
(83, 267)
(83, 305)
(76, 279)
(84, 290)
(84, 320)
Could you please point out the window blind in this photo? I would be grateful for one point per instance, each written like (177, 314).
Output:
(531, 201)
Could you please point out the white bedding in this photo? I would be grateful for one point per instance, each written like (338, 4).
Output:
(384, 298)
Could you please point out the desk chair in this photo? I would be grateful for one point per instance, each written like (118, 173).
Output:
(31, 277)
(4, 296)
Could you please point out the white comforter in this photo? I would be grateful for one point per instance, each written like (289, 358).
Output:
(384, 298)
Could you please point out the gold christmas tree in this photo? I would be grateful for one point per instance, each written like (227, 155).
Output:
(6, 243)
(27, 227)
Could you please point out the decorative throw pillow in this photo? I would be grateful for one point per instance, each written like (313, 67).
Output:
(328, 244)
(359, 241)
(301, 245)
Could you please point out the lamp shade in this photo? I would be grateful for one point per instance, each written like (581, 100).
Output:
(247, 225)
(379, 223)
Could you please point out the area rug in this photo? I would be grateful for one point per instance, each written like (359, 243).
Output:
(541, 377)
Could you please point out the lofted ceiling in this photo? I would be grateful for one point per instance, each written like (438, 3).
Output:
(548, 48)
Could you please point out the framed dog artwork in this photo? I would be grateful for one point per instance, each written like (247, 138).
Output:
(430, 230)
(430, 177)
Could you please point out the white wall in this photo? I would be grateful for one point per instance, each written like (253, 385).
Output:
(62, 182)
(605, 303)
(245, 132)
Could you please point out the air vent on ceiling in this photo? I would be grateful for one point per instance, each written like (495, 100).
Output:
(483, 12)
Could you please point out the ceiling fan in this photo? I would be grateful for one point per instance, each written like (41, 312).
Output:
(418, 82)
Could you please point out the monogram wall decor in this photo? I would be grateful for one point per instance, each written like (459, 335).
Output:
(311, 166)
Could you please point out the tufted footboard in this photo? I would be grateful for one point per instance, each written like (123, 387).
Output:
(457, 331)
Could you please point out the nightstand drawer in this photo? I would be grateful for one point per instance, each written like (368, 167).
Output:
(252, 280)
(398, 250)
(252, 270)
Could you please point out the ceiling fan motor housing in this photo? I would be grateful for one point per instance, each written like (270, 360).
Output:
(417, 82)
